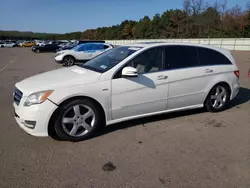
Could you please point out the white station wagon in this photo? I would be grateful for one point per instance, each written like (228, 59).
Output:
(125, 83)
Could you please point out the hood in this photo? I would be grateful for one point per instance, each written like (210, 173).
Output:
(64, 51)
(62, 77)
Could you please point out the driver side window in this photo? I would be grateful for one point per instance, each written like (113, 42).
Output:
(147, 62)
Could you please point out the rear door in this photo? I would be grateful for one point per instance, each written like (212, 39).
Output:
(187, 77)
(97, 49)
(8, 44)
(214, 61)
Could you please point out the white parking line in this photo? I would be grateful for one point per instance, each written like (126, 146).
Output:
(2, 69)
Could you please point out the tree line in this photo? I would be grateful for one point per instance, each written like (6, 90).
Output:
(196, 20)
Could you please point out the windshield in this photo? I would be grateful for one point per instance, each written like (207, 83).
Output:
(109, 59)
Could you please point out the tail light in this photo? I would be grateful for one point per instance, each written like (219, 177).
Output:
(237, 73)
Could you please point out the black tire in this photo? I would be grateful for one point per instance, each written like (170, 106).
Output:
(61, 129)
(1, 46)
(209, 101)
(68, 61)
(37, 51)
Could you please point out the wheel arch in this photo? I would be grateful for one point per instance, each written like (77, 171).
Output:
(219, 83)
(69, 55)
(50, 128)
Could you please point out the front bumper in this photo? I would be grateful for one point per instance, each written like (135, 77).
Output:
(59, 62)
(34, 119)
(59, 59)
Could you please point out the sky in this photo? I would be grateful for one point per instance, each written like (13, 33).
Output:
(61, 16)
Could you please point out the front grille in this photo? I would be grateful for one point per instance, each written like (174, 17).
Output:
(17, 96)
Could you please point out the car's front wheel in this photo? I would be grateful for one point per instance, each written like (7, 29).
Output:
(78, 120)
(218, 98)
(68, 61)
(37, 51)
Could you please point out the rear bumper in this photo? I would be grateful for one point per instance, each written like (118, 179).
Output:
(235, 87)
(235, 91)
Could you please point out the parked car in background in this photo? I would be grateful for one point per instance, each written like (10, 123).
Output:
(89, 41)
(125, 83)
(40, 43)
(28, 44)
(81, 52)
(45, 48)
(67, 46)
(21, 42)
(70, 45)
(1, 44)
(7, 44)
(17, 44)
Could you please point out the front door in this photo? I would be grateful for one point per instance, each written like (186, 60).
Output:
(84, 52)
(146, 93)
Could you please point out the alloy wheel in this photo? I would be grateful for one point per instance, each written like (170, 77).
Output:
(78, 120)
(69, 61)
(218, 97)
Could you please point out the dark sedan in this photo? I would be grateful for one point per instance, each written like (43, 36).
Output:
(45, 48)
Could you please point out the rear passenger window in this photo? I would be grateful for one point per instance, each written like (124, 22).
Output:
(98, 46)
(212, 57)
(181, 57)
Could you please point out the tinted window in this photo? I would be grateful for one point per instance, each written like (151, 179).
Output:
(212, 57)
(148, 61)
(181, 57)
(84, 47)
(97, 46)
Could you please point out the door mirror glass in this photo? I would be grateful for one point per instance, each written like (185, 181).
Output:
(129, 72)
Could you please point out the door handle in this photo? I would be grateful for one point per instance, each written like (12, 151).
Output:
(209, 70)
(162, 77)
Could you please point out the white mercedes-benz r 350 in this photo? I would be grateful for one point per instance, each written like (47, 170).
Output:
(125, 83)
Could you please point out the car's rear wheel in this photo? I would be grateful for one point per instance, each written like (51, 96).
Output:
(37, 51)
(78, 120)
(218, 98)
(68, 61)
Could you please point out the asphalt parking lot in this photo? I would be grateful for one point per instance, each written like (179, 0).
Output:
(187, 149)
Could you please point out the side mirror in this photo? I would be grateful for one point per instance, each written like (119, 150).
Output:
(129, 72)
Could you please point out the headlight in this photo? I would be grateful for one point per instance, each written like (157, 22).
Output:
(37, 98)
